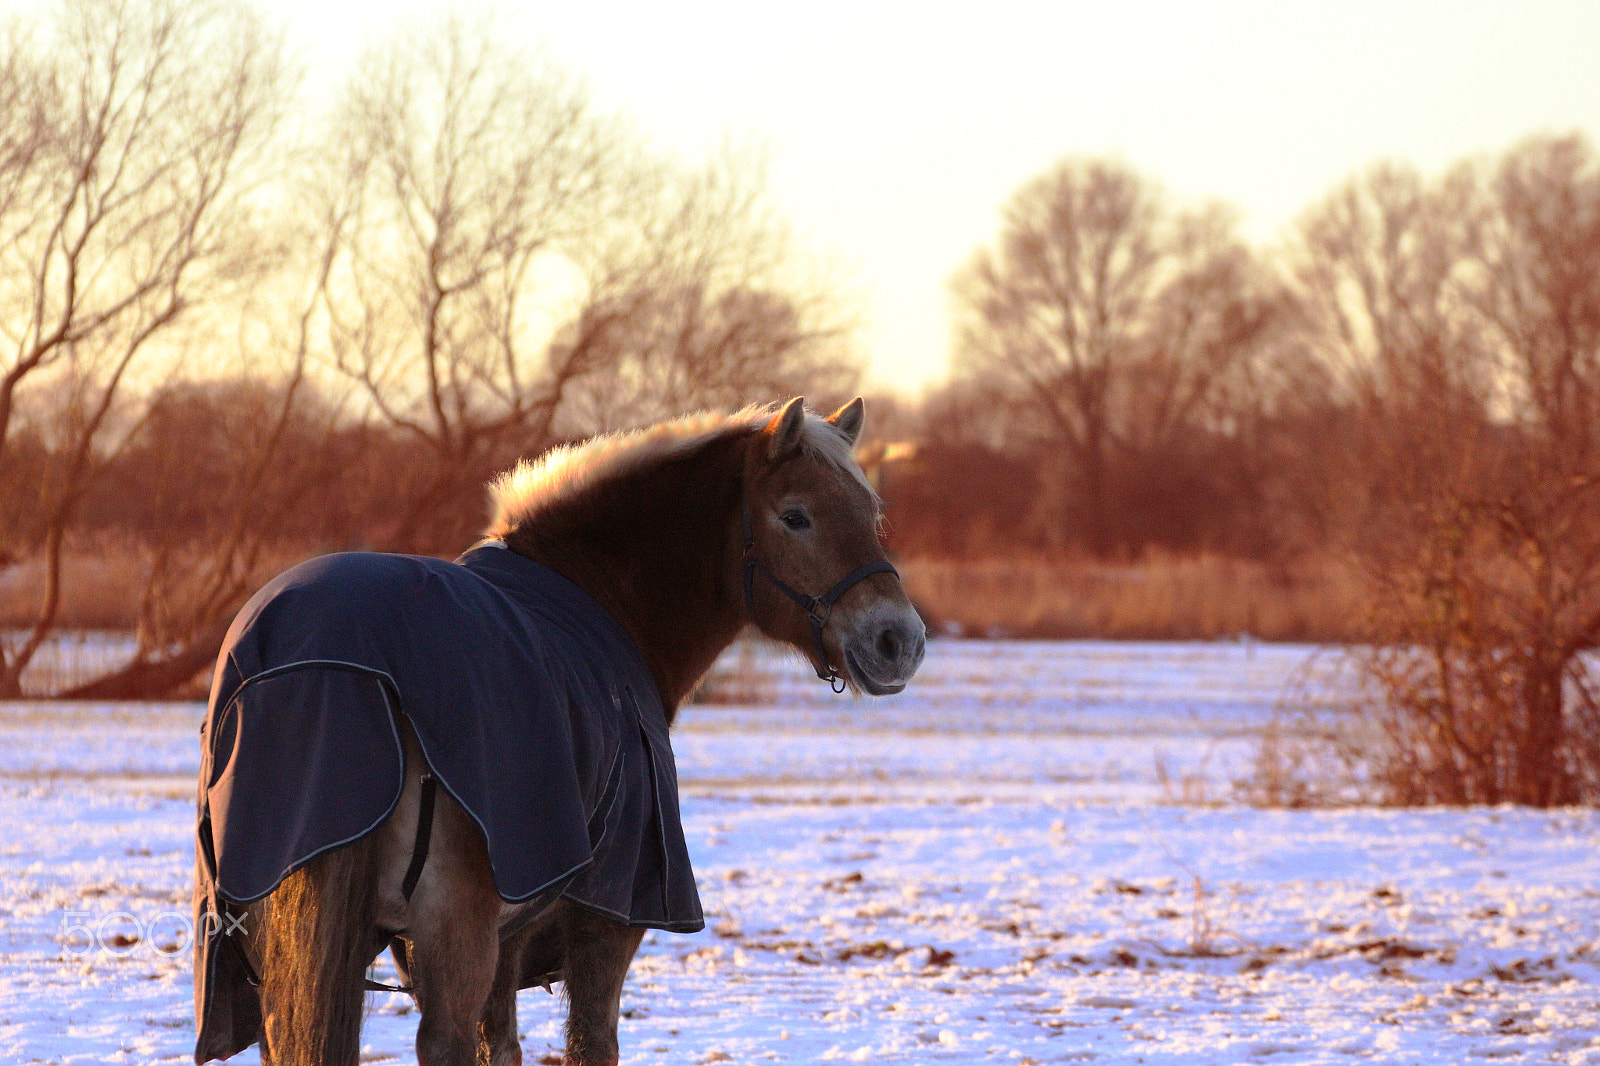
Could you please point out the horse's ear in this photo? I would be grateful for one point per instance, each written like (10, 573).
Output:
(783, 432)
(849, 419)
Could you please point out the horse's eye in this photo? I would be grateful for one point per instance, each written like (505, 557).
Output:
(795, 519)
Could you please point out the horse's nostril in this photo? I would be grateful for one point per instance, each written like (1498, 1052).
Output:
(889, 644)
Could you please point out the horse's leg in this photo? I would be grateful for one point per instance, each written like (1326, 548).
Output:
(598, 951)
(497, 1030)
(450, 921)
(453, 926)
(531, 955)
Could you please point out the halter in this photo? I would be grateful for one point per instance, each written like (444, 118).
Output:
(817, 608)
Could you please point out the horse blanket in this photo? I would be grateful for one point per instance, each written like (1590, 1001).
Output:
(532, 706)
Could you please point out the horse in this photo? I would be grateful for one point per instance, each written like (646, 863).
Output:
(682, 534)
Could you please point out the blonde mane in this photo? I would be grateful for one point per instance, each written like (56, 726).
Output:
(567, 471)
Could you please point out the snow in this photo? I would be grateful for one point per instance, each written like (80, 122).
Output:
(1031, 856)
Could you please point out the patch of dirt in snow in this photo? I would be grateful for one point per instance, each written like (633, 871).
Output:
(1167, 934)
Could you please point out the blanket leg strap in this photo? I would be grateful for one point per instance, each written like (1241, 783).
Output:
(401, 964)
(419, 857)
(419, 852)
(254, 978)
(369, 985)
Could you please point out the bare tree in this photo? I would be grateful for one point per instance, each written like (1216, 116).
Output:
(256, 440)
(1378, 266)
(693, 300)
(1453, 314)
(1537, 296)
(1117, 321)
(517, 270)
(1379, 263)
(1538, 291)
(474, 174)
(131, 210)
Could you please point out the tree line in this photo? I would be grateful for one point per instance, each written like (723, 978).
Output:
(239, 327)
(1411, 381)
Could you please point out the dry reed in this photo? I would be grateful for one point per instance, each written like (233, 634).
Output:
(1162, 597)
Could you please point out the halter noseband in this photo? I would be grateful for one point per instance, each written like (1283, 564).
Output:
(817, 608)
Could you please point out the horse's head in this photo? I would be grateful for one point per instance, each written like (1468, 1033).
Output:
(813, 570)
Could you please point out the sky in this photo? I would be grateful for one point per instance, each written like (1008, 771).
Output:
(897, 130)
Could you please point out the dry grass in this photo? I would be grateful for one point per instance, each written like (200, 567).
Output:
(104, 582)
(1162, 597)
(101, 589)
(1199, 597)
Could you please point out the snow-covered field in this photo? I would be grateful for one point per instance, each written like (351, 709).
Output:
(1032, 856)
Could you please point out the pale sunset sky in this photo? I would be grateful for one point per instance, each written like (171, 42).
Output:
(896, 130)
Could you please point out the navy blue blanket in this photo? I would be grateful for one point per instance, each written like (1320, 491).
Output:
(532, 706)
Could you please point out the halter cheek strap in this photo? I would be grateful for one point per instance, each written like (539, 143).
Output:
(818, 609)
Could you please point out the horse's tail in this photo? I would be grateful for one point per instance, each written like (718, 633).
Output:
(319, 942)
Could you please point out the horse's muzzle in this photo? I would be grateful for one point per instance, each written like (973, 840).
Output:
(884, 654)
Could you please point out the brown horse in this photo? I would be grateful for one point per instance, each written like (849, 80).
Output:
(684, 534)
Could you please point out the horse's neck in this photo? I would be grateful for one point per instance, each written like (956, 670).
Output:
(655, 555)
